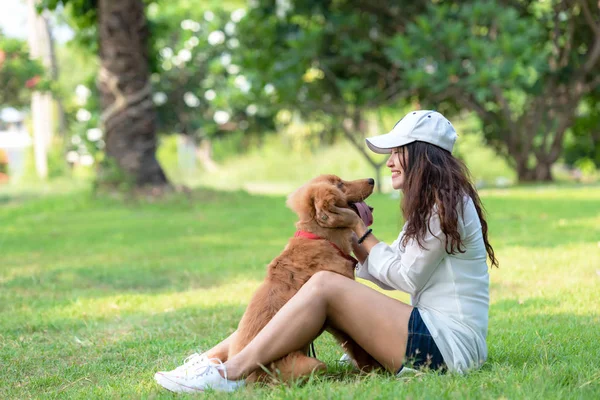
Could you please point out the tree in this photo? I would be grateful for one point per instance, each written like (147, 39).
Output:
(326, 60)
(199, 91)
(128, 116)
(524, 68)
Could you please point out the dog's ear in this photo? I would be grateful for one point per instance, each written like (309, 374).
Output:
(299, 202)
(324, 196)
(329, 203)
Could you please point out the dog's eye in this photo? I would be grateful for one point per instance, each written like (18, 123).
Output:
(340, 185)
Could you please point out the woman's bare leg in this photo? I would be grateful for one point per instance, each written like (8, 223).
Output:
(221, 350)
(376, 322)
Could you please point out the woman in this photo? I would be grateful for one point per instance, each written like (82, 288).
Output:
(439, 258)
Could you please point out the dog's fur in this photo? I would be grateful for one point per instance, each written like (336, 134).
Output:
(300, 260)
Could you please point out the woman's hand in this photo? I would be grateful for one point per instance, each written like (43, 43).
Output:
(338, 217)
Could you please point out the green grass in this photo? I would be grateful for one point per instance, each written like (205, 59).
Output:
(97, 294)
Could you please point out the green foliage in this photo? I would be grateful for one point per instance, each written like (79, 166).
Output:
(523, 68)
(584, 143)
(199, 90)
(323, 55)
(19, 75)
(475, 47)
(122, 290)
(332, 61)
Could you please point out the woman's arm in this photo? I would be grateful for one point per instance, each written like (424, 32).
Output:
(408, 270)
(390, 268)
(362, 269)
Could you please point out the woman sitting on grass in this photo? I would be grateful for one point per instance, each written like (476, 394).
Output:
(439, 258)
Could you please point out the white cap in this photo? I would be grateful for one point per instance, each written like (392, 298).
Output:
(423, 126)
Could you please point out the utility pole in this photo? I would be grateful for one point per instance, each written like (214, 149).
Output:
(40, 47)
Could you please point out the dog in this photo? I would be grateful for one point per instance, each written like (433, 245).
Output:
(322, 243)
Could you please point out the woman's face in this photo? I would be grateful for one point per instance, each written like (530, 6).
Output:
(395, 163)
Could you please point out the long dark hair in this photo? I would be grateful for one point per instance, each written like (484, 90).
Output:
(433, 177)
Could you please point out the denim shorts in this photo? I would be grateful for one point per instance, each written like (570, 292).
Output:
(421, 350)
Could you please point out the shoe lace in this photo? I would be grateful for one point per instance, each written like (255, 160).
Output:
(214, 365)
(190, 361)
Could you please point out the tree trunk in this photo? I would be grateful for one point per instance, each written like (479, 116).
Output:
(541, 172)
(128, 114)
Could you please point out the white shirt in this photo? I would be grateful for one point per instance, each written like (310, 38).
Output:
(451, 291)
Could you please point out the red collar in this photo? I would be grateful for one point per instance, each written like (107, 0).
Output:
(312, 236)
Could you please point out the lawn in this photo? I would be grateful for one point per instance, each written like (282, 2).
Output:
(97, 294)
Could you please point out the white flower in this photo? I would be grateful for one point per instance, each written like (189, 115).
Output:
(430, 69)
(184, 55)
(242, 83)
(216, 37)
(83, 115)
(282, 7)
(82, 93)
(72, 157)
(100, 144)
(269, 88)
(94, 134)
(225, 59)
(233, 69)
(159, 98)
(210, 95)
(191, 100)
(251, 109)
(209, 15)
(233, 43)
(86, 160)
(152, 10)
(167, 52)
(238, 14)
(190, 25)
(230, 28)
(373, 34)
(191, 42)
(221, 117)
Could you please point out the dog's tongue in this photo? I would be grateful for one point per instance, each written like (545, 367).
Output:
(365, 213)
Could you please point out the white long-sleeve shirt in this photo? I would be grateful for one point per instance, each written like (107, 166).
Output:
(451, 291)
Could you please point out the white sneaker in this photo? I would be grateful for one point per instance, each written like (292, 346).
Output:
(191, 361)
(198, 377)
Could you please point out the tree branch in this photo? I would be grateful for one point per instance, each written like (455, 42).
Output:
(121, 100)
(589, 19)
(566, 50)
(594, 53)
(505, 109)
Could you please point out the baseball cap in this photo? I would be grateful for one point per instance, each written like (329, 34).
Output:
(423, 125)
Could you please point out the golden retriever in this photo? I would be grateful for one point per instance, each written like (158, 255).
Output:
(315, 204)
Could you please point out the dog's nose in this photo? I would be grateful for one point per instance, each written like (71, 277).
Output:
(371, 181)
